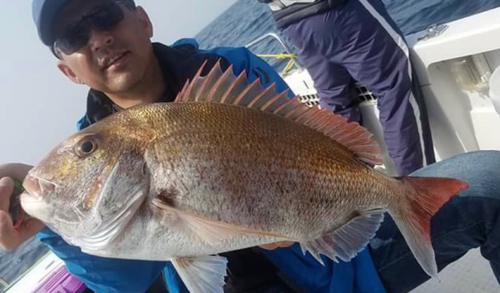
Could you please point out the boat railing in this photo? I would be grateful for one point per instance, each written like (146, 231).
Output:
(288, 53)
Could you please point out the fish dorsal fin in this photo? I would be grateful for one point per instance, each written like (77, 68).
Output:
(224, 87)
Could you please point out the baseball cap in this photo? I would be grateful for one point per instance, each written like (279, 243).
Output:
(44, 14)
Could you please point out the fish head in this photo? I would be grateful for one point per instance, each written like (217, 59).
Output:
(90, 181)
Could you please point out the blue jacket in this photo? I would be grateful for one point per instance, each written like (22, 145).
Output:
(304, 273)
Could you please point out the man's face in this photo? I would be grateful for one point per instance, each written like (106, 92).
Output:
(110, 44)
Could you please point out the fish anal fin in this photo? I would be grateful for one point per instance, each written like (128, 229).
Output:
(210, 231)
(224, 87)
(347, 241)
(204, 274)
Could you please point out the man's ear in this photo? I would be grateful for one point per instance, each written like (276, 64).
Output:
(68, 72)
(144, 20)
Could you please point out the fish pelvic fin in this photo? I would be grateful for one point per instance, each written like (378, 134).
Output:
(424, 197)
(204, 274)
(211, 231)
(227, 88)
(347, 241)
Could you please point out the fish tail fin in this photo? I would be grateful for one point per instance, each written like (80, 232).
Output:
(424, 197)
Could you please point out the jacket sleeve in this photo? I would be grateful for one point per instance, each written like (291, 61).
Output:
(243, 59)
(103, 275)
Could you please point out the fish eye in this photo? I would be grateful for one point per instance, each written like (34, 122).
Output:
(86, 146)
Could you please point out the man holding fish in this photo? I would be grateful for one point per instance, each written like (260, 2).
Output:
(226, 183)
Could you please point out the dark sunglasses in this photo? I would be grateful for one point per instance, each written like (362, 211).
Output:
(102, 17)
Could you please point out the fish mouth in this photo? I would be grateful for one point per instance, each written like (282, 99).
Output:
(32, 200)
(38, 187)
(36, 207)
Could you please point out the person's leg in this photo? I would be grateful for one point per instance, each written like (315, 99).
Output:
(469, 220)
(334, 85)
(374, 53)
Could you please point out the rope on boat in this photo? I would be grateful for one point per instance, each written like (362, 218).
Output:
(290, 63)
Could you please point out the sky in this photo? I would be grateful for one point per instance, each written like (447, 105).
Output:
(39, 106)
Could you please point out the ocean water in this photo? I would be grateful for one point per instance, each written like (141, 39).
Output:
(245, 21)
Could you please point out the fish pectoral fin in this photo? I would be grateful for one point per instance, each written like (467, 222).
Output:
(347, 241)
(204, 274)
(210, 231)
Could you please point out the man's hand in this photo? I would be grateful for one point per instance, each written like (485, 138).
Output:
(275, 245)
(11, 238)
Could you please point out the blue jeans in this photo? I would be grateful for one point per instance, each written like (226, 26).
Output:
(471, 219)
